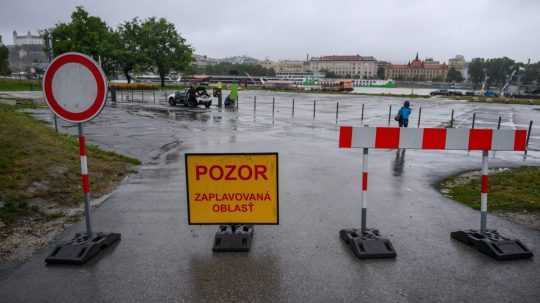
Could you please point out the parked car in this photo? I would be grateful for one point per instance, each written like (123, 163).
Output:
(490, 93)
(182, 97)
(440, 92)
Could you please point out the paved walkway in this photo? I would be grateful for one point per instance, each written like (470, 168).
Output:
(162, 259)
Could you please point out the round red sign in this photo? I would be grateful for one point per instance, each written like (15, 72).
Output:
(75, 87)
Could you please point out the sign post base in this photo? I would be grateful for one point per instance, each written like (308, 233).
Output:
(233, 238)
(82, 248)
(367, 244)
(493, 244)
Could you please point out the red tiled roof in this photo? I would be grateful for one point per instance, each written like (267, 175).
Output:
(418, 65)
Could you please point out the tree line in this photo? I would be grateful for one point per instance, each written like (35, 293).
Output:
(135, 45)
(496, 71)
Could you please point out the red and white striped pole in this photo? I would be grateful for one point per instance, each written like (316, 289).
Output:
(484, 191)
(363, 196)
(84, 180)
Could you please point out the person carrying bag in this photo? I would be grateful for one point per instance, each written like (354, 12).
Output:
(403, 114)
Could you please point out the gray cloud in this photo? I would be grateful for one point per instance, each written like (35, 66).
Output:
(278, 29)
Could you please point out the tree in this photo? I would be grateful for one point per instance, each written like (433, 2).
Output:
(128, 52)
(4, 64)
(454, 76)
(532, 73)
(85, 34)
(329, 74)
(498, 69)
(476, 71)
(164, 48)
(380, 72)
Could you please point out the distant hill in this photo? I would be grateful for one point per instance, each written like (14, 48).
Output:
(202, 60)
(240, 60)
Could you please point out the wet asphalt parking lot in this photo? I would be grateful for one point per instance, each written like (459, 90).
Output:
(163, 259)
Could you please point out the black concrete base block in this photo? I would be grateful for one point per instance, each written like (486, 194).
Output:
(233, 238)
(82, 248)
(368, 244)
(493, 244)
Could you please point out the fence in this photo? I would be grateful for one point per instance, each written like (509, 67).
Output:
(335, 111)
(141, 96)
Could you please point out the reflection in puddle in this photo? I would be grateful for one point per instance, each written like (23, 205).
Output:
(399, 162)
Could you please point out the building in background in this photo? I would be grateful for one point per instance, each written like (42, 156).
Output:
(381, 68)
(203, 60)
(27, 54)
(459, 64)
(290, 66)
(267, 63)
(355, 66)
(287, 69)
(417, 70)
(28, 39)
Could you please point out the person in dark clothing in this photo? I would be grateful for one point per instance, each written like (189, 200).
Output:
(403, 114)
(191, 96)
(229, 101)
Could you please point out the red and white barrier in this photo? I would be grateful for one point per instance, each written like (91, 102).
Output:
(484, 192)
(433, 138)
(501, 248)
(363, 197)
(84, 164)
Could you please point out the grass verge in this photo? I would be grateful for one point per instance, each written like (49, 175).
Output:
(19, 85)
(512, 190)
(39, 169)
(501, 100)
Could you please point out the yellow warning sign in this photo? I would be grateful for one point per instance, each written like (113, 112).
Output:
(232, 188)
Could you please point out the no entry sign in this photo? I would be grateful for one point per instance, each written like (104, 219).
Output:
(75, 87)
(232, 188)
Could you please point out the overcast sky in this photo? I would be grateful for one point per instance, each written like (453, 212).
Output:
(290, 29)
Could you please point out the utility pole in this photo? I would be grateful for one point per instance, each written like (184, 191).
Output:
(50, 54)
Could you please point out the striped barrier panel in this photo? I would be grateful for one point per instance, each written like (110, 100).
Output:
(433, 138)
(367, 243)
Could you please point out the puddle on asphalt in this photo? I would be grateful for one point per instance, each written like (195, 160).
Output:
(172, 157)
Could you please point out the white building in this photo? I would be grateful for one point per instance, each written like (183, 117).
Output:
(26, 54)
(285, 66)
(28, 39)
(364, 67)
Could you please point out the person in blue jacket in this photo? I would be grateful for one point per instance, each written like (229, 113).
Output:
(403, 114)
